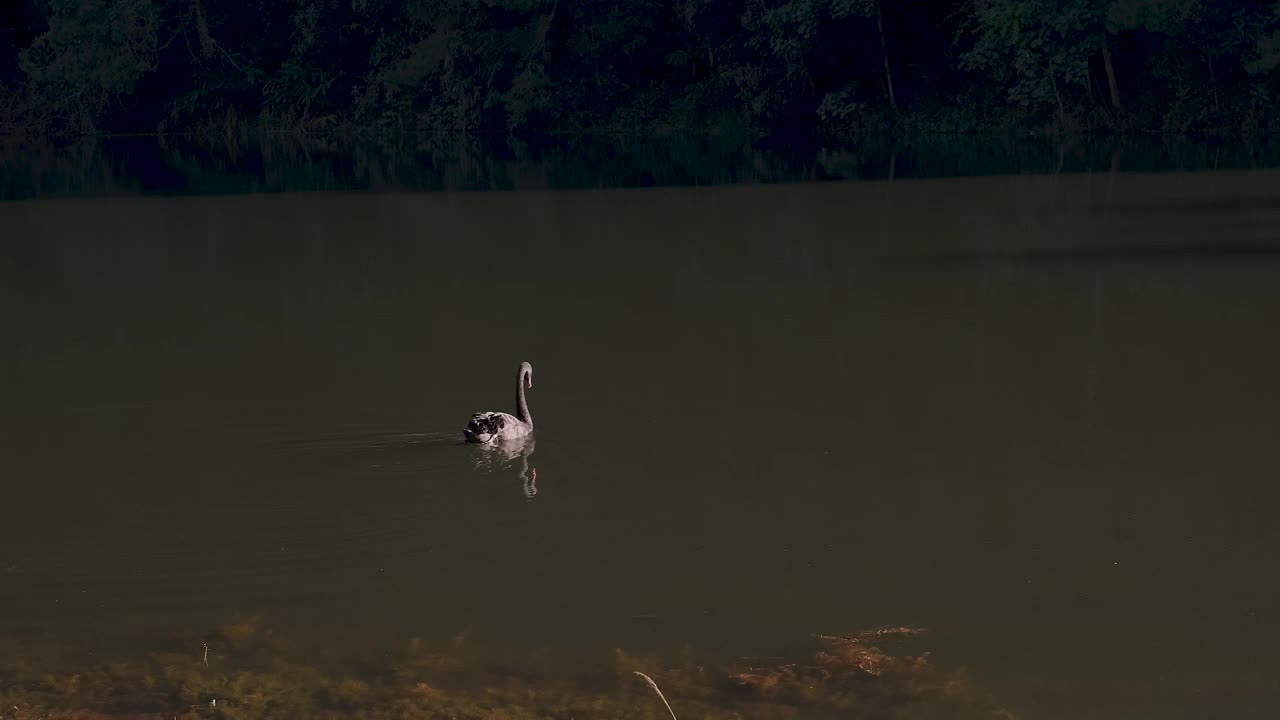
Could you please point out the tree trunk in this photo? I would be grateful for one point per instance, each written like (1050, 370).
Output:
(884, 48)
(1213, 80)
(1053, 80)
(1111, 73)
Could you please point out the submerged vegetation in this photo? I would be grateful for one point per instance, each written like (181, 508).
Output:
(245, 671)
(836, 67)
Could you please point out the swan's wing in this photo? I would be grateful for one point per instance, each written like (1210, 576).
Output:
(485, 423)
(489, 423)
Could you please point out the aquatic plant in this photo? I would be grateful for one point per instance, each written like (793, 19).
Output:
(245, 671)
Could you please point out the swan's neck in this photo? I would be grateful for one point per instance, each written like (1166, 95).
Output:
(522, 405)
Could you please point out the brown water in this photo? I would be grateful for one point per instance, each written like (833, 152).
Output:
(1036, 415)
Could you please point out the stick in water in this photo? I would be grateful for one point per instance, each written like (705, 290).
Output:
(654, 685)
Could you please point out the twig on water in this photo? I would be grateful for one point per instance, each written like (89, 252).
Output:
(662, 697)
(205, 659)
(866, 636)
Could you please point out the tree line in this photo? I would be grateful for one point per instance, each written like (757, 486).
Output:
(842, 67)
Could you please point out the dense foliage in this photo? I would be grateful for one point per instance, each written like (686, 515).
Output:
(841, 66)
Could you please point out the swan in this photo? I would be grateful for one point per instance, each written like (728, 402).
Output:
(491, 427)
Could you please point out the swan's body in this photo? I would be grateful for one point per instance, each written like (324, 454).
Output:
(490, 427)
(493, 427)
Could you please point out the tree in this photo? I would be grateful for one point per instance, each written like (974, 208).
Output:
(93, 52)
(462, 65)
(1040, 49)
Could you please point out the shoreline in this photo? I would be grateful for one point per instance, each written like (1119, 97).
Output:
(180, 165)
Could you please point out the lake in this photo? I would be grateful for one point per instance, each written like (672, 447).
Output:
(1034, 414)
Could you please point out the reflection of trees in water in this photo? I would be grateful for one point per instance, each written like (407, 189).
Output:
(502, 455)
(289, 162)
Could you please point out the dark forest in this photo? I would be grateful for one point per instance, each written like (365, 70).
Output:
(838, 68)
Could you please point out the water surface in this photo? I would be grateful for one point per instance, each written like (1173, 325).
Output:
(1035, 415)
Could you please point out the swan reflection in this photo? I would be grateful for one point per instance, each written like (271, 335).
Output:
(498, 456)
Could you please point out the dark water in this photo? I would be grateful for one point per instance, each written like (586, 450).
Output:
(1035, 415)
(178, 165)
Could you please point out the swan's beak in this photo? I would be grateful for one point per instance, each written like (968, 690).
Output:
(528, 381)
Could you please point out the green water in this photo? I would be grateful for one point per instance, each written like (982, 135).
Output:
(1035, 415)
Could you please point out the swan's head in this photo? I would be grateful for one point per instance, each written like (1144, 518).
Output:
(526, 372)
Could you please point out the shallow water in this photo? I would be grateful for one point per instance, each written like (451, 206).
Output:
(1032, 414)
